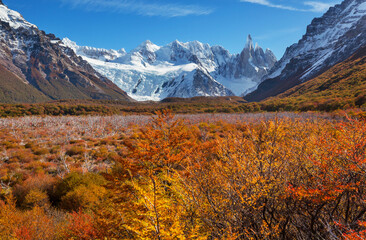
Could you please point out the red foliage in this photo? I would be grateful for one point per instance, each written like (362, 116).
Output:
(81, 226)
(24, 233)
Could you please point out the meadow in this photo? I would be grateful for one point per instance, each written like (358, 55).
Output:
(194, 176)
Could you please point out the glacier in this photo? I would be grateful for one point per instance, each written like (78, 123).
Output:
(152, 72)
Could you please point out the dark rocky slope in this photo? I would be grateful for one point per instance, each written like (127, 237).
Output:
(40, 63)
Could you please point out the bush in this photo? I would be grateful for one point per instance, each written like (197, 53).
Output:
(75, 150)
(77, 189)
(83, 197)
(37, 198)
(40, 151)
(39, 183)
(81, 226)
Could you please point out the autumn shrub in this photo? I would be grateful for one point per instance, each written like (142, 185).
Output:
(79, 190)
(36, 198)
(80, 226)
(36, 224)
(274, 179)
(261, 176)
(24, 225)
(29, 145)
(75, 150)
(23, 156)
(283, 179)
(145, 200)
(40, 184)
(9, 144)
(8, 218)
(40, 151)
(83, 197)
(355, 234)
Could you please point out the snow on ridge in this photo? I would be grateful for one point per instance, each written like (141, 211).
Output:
(362, 6)
(94, 53)
(152, 72)
(322, 38)
(148, 45)
(317, 64)
(70, 44)
(14, 18)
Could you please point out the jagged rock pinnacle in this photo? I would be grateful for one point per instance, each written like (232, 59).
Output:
(249, 44)
(257, 47)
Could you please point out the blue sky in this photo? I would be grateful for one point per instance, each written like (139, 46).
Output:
(274, 24)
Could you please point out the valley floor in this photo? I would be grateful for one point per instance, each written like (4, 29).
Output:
(209, 176)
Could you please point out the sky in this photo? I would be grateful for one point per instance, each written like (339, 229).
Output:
(116, 24)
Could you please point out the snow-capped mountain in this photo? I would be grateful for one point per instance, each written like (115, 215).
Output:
(43, 68)
(331, 39)
(151, 72)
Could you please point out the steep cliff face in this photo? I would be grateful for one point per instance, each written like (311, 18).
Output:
(329, 40)
(152, 72)
(42, 63)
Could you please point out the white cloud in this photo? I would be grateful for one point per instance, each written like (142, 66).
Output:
(269, 4)
(314, 6)
(318, 6)
(141, 7)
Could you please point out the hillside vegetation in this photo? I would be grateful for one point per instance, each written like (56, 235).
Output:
(341, 87)
(13, 89)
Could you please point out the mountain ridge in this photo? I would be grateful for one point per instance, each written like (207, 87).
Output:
(342, 86)
(152, 72)
(49, 70)
(329, 40)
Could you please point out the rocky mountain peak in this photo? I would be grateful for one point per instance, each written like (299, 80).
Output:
(176, 43)
(257, 47)
(148, 46)
(249, 43)
(184, 70)
(270, 57)
(1, 2)
(255, 56)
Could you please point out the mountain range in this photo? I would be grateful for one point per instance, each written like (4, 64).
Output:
(39, 67)
(152, 72)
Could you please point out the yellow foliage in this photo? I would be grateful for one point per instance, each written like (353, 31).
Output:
(36, 198)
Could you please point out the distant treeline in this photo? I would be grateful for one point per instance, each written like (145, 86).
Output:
(179, 106)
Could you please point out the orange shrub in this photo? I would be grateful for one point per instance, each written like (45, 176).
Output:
(80, 226)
